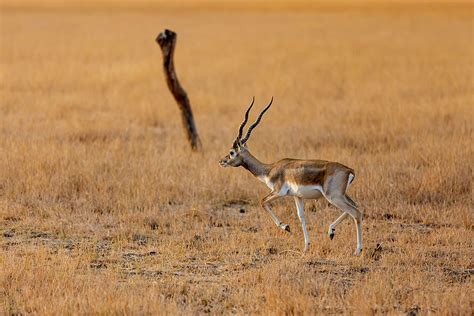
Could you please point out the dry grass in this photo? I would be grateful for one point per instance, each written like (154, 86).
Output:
(103, 209)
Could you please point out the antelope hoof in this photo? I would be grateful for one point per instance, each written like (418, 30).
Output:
(285, 227)
(306, 247)
(331, 233)
(358, 252)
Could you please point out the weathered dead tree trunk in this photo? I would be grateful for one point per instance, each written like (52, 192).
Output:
(167, 42)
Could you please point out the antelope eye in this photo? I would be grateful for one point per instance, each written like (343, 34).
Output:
(232, 153)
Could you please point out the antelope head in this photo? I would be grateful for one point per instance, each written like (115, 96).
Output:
(239, 149)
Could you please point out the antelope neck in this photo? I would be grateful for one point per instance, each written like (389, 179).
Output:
(255, 166)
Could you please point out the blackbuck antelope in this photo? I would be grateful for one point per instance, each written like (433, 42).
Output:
(302, 179)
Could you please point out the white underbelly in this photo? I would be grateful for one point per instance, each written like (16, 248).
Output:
(292, 189)
(305, 191)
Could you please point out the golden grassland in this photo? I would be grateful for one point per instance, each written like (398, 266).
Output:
(225, 4)
(104, 209)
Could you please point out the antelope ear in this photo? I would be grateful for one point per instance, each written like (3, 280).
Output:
(236, 144)
(242, 145)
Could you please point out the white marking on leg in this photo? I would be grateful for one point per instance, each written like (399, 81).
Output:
(274, 217)
(359, 236)
(300, 207)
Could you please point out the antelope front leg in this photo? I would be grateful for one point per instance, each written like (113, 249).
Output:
(300, 207)
(268, 199)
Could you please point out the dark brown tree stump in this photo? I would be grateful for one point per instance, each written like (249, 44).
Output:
(167, 42)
